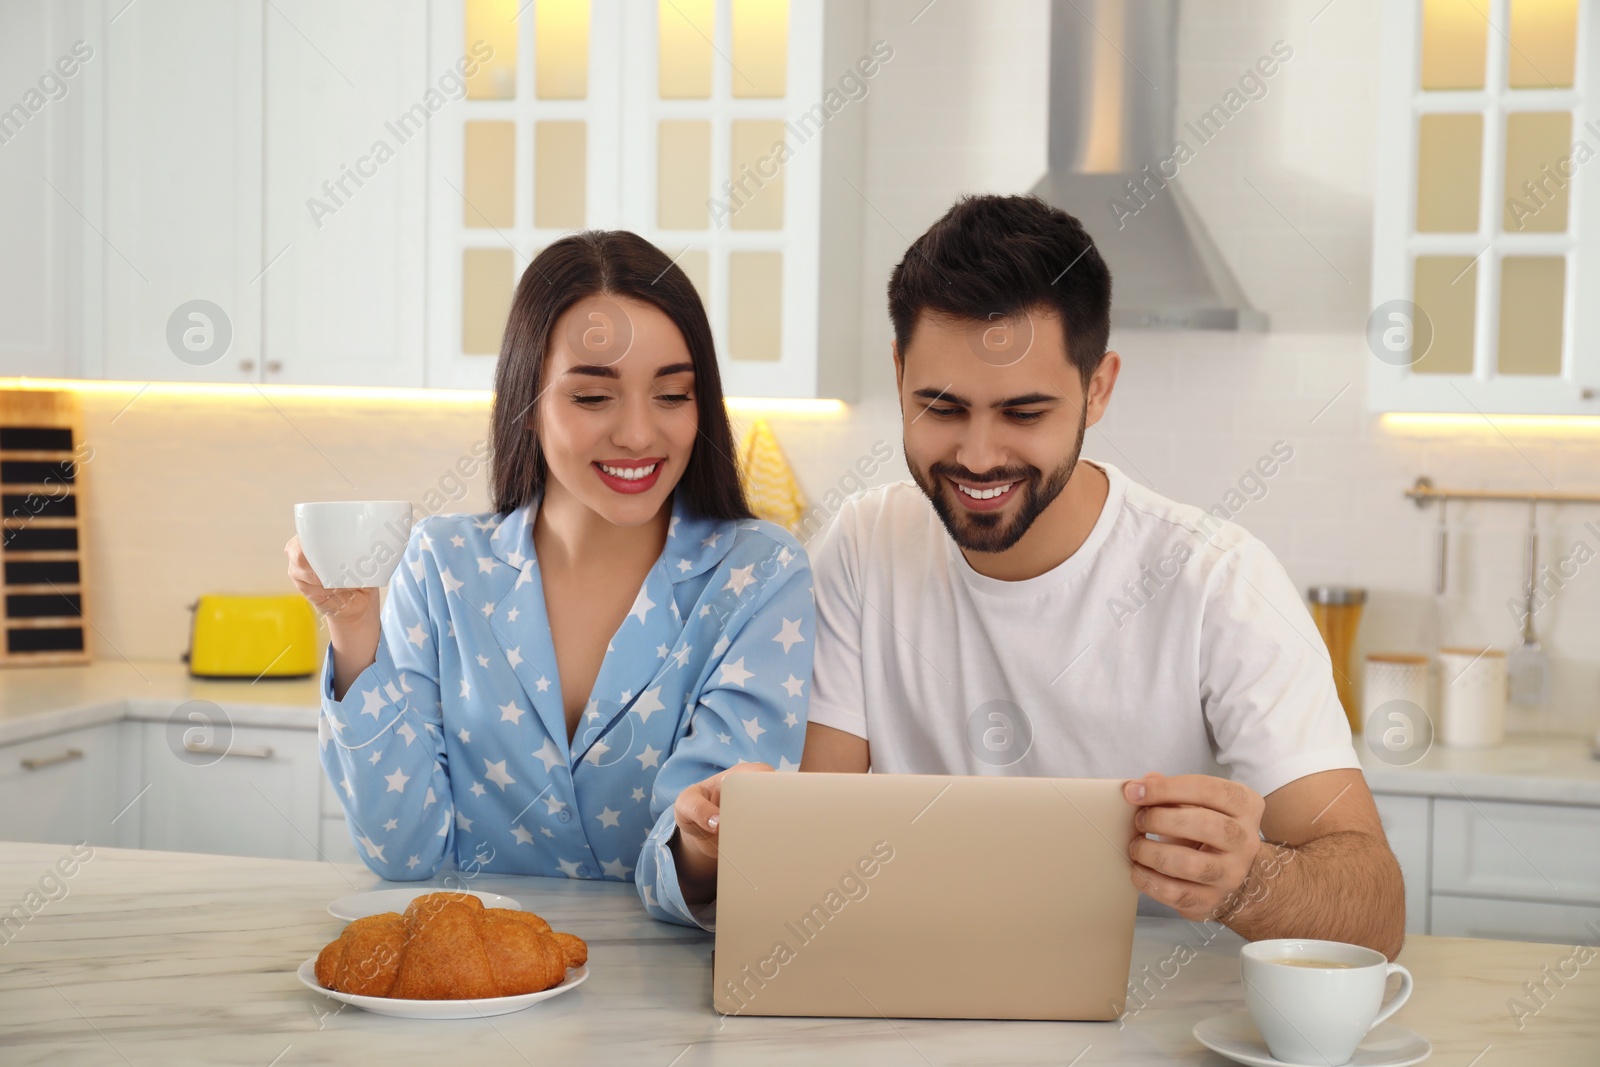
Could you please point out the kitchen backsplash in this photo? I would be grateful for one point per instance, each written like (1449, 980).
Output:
(194, 494)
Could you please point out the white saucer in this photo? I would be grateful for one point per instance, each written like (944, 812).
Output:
(378, 901)
(1236, 1037)
(440, 1009)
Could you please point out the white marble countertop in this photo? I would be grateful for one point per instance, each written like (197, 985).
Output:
(37, 701)
(169, 958)
(1539, 769)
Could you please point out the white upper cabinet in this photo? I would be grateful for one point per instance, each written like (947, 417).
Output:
(312, 193)
(1486, 250)
(349, 98)
(49, 88)
(182, 196)
(264, 221)
(697, 124)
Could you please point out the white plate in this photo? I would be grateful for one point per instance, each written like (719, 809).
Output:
(440, 1009)
(1236, 1037)
(378, 901)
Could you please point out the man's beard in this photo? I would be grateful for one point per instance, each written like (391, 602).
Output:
(980, 531)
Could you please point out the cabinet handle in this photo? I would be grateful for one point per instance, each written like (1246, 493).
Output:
(35, 763)
(274, 366)
(247, 365)
(206, 748)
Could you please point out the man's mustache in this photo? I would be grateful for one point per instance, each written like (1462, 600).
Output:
(998, 474)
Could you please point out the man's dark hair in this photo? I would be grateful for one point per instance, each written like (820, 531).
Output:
(993, 257)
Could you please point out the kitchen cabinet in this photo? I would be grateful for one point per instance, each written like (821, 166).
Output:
(303, 193)
(697, 125)
(1486, 215)
(1483, 868)
(1407, 822)
(69, 787)
(182, 257)
(264, 222)
(51, 89)
(345, 191)
(261, 799)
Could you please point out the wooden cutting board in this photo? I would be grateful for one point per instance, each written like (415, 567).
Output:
(43, 515)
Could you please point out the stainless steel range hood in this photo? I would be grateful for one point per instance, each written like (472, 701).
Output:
(1113, 87)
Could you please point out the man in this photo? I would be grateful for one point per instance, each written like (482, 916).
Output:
(1017, 611)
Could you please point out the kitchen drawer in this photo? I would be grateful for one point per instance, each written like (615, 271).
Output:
(68, 787)
(335, 842)
(1515, 920)
(1407, 823)
(259, 800)
(1548, 852)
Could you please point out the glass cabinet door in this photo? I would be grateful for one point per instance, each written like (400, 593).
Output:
(1481, 246)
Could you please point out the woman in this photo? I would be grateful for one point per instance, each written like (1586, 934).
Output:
(555, 688)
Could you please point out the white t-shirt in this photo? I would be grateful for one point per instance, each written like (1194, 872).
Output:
(1169, 641)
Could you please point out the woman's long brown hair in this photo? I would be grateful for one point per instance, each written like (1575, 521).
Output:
(613, 263)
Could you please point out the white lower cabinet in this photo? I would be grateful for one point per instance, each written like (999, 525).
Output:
(1515, 920)
(68, 787)
(260, 799)
(1501, 869)
(1407, 824)
(137, 784)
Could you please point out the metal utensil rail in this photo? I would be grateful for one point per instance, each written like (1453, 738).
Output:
(1424, 492)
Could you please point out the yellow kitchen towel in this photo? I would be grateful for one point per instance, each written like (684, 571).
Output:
(769, 484)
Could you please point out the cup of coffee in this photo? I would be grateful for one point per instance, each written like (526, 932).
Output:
(1314, 1001)
(353, 544)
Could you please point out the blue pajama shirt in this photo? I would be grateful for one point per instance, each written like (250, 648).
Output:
(453, 744)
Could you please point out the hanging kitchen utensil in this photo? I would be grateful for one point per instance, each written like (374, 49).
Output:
(1433, 637)
(1528, 667)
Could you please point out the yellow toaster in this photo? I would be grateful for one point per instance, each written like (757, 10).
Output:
(253, 637)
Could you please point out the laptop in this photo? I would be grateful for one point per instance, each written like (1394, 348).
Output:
(923, 896)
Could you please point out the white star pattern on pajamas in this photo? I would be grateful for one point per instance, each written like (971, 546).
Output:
(789, 635)
(734, 672)
(741, 578)
(648, 703)
(690, 685)
(496, 773)
(548, 754)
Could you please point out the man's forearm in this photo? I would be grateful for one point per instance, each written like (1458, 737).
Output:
(1340, 887)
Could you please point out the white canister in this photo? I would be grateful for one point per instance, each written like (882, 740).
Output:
(1472, 697)
(1394, 676)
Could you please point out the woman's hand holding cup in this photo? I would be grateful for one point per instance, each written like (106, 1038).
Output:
(358, 545)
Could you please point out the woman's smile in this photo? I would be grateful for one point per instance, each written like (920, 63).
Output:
(630, 475)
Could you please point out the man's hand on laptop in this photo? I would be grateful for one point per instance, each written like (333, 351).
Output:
(697, 811)
(1211, 830)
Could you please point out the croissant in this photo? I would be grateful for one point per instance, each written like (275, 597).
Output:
(448, 946)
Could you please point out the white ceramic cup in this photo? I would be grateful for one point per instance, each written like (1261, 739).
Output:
(1317, 1015)
(353, 544)
(1472, 697)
